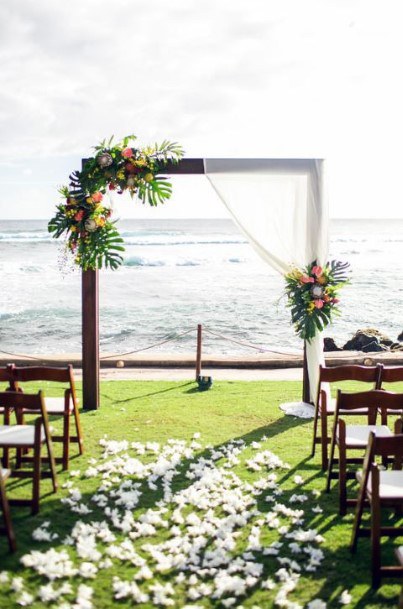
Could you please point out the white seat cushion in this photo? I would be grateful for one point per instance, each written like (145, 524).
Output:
(5, 473)
(399, 554)
(56, 405)
(357, 435)
(390, 484)
(18, 435)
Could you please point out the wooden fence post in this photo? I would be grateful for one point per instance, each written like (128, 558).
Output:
(90, 341)
(198, 350)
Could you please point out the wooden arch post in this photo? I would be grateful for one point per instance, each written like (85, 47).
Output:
(90, 312)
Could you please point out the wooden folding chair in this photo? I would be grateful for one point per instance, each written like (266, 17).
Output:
(7, 527)
(325, 405)
(64, 406)
(28, 437)
(382, 489)
(6, 376)
(389, 375)
(355, 437)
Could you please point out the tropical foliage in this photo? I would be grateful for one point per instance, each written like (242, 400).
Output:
(313, 295)
(84, 217)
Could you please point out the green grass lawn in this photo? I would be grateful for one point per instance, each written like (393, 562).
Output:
(147, 412)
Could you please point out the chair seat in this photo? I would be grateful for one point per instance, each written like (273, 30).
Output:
(390, 485)
(56, 405)
(18, 435)
(357, 435)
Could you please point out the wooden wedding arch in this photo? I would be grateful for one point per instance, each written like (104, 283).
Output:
(90, 311)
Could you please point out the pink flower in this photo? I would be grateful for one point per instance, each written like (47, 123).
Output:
(317, 271)
(127, 153)
(335, 300)
(97, 197)
(318, 303)
(306, 279)
(79, 215)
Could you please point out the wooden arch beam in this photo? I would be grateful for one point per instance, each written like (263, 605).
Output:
(90, 310)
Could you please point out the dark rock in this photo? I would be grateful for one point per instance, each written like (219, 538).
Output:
(330, 345)
(374, 346)
(400, 337)
(367, 340)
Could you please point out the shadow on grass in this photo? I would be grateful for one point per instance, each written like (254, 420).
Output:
(145, 395)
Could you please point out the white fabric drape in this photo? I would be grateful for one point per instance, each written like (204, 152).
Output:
(281, 207)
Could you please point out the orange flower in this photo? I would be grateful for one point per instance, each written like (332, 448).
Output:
(127, 153)
(306, 279)
(317, 270)
(97, 197)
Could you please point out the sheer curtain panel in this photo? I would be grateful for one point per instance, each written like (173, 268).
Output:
(281, 207)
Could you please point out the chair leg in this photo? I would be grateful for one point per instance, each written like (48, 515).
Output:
(342, 483)
(331, 457)
(324, 440)
(5, 508)
(342, 469)
(52, 463)
(358, 515)
(78, 430)
(375, 532)
(36, 478)
(66, 439)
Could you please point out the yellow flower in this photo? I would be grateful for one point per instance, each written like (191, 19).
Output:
(310, 308)
(120, 174)
(149, 177)
(295, 274)
(73, 229)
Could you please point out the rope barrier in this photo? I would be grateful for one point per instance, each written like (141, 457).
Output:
(167, 340)
(39, 359)
(238, 342)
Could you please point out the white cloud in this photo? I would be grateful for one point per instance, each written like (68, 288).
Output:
(228, 78)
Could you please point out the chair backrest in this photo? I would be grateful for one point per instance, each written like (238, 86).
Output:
(43, 373)
(25, 374)
(350, 372)
(6, 375)
(23, 401)
(391, 374)
(382, 446)
(375, 399)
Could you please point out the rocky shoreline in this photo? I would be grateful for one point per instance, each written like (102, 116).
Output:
(368, 340)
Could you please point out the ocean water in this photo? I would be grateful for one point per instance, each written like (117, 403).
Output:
(179, 273)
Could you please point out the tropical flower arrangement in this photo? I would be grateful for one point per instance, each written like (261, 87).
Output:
(313, 295)
(84, 216)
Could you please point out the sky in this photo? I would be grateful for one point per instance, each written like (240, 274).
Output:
(225, 78)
